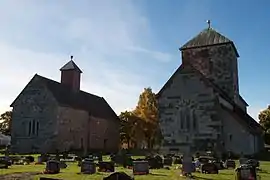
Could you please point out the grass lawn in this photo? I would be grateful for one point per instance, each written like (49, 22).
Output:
(71, 173)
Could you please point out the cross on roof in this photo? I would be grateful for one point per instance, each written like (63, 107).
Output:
(209, 24)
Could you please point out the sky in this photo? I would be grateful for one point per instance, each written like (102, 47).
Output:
(123, 46)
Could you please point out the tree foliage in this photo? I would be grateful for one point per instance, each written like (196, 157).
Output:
(130, 130)
(264, 117)
(264, 120)
(147, 106)
(5, 122)
(142, 123)
(147, 110)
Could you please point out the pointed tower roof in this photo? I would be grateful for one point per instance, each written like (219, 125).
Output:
(208, 37)
(70, 66)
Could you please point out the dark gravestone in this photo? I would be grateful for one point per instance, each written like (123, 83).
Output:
(63, 164)
(39, 160)
(245, 172)
(140, 167)
(3, 164)
(177, 160)
(52, 167)
(253, 163)
(167, 161)
(209, 168)
(188, 166)
(118, 176)
(155, 162)
(230, 164)
(88, 167)
(30, 158)
(106, 166)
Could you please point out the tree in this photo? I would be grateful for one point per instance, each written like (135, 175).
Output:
(5, 122)
(264, 117)
(146, 109)
(130, 126)
(147, 106)
(264, 120)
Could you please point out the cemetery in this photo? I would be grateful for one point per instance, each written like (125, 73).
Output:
(123, 166)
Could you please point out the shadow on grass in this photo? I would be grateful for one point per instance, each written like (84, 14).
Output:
(155, 174)
(201, 178)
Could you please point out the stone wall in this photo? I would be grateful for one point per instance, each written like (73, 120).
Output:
(71, 131)
(236, 137)
(187, 113)
(77, 130)
(33, 119)
(218, 63)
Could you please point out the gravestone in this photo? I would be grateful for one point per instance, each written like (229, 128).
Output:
(253, 163)
(230, 164)
(3, 164)
(177, 160)
(155, 162)
(188, 166)
(118, 176)
(63, 164)
(106, 166)
(40, 160)
(140, 167)
(209, 168)
(167, 161)
(52, 167)
(88, 167)
(245, 172)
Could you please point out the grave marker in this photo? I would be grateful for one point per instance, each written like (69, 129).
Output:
(140, 167)
(106, 166)
(188, 166)
(52, 167)
(88, 167)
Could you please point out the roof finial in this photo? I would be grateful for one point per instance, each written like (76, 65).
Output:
(71, 57)
(209, 24)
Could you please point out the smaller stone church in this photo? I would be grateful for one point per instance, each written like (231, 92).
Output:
(200, 107)
(50, 116)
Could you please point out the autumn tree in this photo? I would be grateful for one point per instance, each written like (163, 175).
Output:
(264, 117)
(130, 129)
(264, 120)
(146, 109)
(5, 122)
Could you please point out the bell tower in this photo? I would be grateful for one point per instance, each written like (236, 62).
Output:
(215, 56)
(71, 75)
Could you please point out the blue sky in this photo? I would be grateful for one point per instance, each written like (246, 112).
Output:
(123, 46)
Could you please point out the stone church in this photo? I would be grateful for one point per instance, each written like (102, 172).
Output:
(49, 116)
(200, 107)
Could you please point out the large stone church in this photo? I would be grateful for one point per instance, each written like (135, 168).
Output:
(50, 116)
(200, 107)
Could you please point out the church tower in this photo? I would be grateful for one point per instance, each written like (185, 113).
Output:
(71, 75)
(215, 56)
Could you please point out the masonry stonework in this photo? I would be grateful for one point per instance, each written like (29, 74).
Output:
(34, 107)
(217, 63)
(187, 115)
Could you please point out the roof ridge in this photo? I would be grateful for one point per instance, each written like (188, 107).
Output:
(208, 37)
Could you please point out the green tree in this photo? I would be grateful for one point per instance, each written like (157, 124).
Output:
(129, 128)
(146, 109)
(5, 122)
(264, 119)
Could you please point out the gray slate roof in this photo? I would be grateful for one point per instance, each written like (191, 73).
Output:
(208, 37)
(96, 106)
(70, 66)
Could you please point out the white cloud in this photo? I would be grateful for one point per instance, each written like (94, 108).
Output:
(254, 111)
(38, 37)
